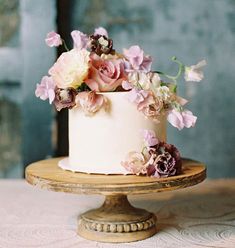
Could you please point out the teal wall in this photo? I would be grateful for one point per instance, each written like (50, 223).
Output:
(191, 30)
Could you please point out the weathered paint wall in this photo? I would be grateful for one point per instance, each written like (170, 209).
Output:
(191, 30)
(25, 121)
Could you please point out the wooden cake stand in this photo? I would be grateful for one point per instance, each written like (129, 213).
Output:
(116, 220)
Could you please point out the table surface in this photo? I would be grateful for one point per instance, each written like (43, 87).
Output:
(200, 216)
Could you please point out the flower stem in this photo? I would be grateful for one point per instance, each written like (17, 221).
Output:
(180, 70)
(65, 46)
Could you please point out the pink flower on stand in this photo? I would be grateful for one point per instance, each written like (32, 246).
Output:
(137, 60)
(46, 89)
(181, 119)
(53, 39)
(135, 163)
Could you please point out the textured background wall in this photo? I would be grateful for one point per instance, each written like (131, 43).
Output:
(191, 30)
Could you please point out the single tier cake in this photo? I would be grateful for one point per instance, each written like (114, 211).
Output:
(112, 134)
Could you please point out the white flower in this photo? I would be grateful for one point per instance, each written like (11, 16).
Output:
(145, 80)
(163, 93)
(71, 68)
(194, 73)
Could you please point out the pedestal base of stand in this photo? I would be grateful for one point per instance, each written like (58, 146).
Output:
(117, 221)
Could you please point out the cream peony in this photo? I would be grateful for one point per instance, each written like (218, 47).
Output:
(71, 68)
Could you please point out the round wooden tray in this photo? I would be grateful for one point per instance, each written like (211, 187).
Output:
(116, 220)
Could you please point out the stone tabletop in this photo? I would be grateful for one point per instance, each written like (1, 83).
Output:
(200, 216)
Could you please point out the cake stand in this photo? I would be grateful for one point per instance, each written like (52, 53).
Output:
(116, 220)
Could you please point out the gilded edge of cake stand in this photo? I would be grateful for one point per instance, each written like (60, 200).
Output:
(116, 221)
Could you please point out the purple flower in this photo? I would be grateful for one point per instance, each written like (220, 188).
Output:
(53, 39)
(126, 85)
(150, 137)
(101, 31)
(46, 89)
(137, 60)
(137, 96)
(163, 166)
(65, 98)
(80, 40)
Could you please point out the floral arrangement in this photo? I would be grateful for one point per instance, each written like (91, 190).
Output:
(94, 66)
(157, 159)
(80, 75)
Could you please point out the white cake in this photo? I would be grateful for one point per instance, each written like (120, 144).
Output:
(98, 143)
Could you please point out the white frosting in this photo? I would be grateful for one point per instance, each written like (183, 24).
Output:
(98, 143)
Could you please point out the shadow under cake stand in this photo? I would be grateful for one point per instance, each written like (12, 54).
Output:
(116, 220)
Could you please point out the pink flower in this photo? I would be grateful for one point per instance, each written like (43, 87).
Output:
(135, 163)
(137, 96)
(101, 31)
(126, 85)
(137, 60)
(53, 39)
(146, 103)
(80, 40)
(150, 137)
(46, 89)
(181, 119)
(71, 68)
(91, 102)
(105, 74)
(150, 107)
(194, 73)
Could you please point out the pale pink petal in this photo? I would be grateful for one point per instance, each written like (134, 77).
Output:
(194, 73)
(181, 100)
(188, 118)
(175, 119)
(46, 89)
(150, 137)
(146, 64)
(51, 95)
(126, 85)
(101, 31)
(80, 39)
(53, 39)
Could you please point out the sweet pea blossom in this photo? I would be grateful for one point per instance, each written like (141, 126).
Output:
(146, 103)
(149, 137)
(46, 89)
(80, 40)
(137, 60)
(101, 31)
(53, 39)
(136, 95)
(194, 73)
(181, 119)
